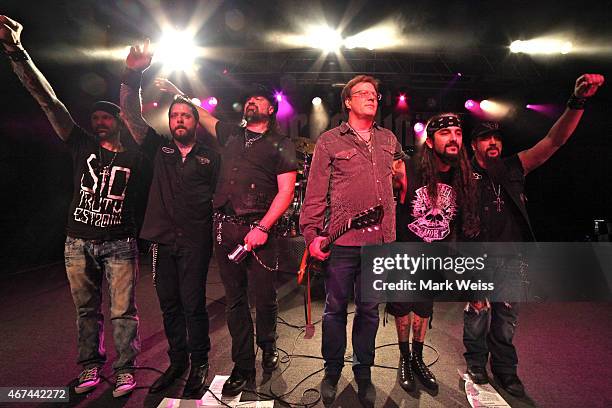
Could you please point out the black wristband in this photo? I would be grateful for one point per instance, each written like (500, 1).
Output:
(19, 55)
(132, 78)
(262, 228)
(576, 103)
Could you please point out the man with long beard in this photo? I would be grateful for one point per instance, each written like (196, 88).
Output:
(178, 221)
(503, 216)
(439, 205)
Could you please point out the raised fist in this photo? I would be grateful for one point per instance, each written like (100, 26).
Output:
(10, 32)
(139, 59)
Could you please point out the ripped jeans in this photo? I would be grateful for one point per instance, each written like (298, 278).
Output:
(87, 262)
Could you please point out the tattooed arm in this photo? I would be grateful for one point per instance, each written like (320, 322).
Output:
(33, 80)
(137, 61)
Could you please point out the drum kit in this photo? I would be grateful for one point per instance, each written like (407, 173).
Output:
(288, 224)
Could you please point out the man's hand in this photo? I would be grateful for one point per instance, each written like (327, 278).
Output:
(255, 238)
(165, 85)
(587, 85)
(315, 249)
(139, 59)
(10, 33)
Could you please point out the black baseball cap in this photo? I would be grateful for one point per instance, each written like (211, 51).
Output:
(486, 128)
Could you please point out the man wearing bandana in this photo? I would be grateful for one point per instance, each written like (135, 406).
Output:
(439, 205)
(503, 216)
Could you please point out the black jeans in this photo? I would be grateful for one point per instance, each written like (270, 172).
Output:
(479, 338)
(180, 283)
(343, 278)
(235, 279)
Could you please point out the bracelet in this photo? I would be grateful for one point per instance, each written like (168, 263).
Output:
(131, 78)
(576, 103)
(262, 228)
(19, 55)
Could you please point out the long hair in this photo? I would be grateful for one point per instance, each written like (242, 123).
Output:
(463, 183)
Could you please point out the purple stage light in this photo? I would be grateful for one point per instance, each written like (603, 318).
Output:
(470, 104)
(212, 101)
(419, 127)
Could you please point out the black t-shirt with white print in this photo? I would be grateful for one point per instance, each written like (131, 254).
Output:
(418, 219)
(106, 185)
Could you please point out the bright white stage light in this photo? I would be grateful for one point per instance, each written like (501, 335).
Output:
(324, 37)
(316, 101)
(541, 46)
(176, 51)
(492, 108)
(385, 35)
(196, 101)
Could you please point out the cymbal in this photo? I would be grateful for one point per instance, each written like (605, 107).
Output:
(304, 145)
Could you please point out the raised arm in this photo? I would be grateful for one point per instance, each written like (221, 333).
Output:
(137, 61)
(586, 86)
(208, 121)
(33, 80)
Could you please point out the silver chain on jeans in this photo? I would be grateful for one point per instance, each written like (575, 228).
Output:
(153, 250)
(219, 238)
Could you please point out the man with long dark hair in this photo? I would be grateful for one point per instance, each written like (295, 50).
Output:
(439, 205)
(490, 326)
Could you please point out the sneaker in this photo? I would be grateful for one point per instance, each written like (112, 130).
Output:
(88, 380)
(124, 384)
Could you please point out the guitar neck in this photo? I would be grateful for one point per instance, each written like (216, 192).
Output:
(334, 236)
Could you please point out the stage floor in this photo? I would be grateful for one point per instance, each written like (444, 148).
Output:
(564, 348)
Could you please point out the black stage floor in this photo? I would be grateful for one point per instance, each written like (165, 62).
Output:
(564, 348)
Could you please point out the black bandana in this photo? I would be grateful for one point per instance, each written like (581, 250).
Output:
(441, 123)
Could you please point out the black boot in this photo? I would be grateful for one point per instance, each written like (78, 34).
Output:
(421, 371)
(270, 360)
(405, 375)
(511, 383)
(366, 392)
(478, 374)
(238, 381)
(328, 388)
(196, 382)
(167, 378)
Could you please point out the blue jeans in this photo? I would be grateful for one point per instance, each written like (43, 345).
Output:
(343, 279)
(86, 263)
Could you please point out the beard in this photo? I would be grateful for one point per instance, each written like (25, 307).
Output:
(447, 158)
(184, 138)
(255, 116)
(494, 166)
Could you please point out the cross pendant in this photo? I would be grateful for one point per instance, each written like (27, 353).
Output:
(499, 203)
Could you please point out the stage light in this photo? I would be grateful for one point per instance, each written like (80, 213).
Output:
(385, 35)
(541, 46)
(316, 101)
(494, 108)
(237, 107)
(212, 101)
(419, 127)
(155, 104)
(324, 38)
(279, 96)
(459, 74)
(196, 101)
(402, 98)
(470, 104)
(176, 50)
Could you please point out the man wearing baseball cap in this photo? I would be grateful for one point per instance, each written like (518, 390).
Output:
(101, 228)
(504, 218)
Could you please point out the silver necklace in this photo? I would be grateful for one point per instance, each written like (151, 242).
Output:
(249, 142)
(498, 200)
(368, 143)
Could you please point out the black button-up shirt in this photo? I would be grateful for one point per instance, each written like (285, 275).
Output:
(179, 209)
(247, 183)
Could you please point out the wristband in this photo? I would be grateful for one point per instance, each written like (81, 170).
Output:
(131, 78)
(576, 103)
(262, 228)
